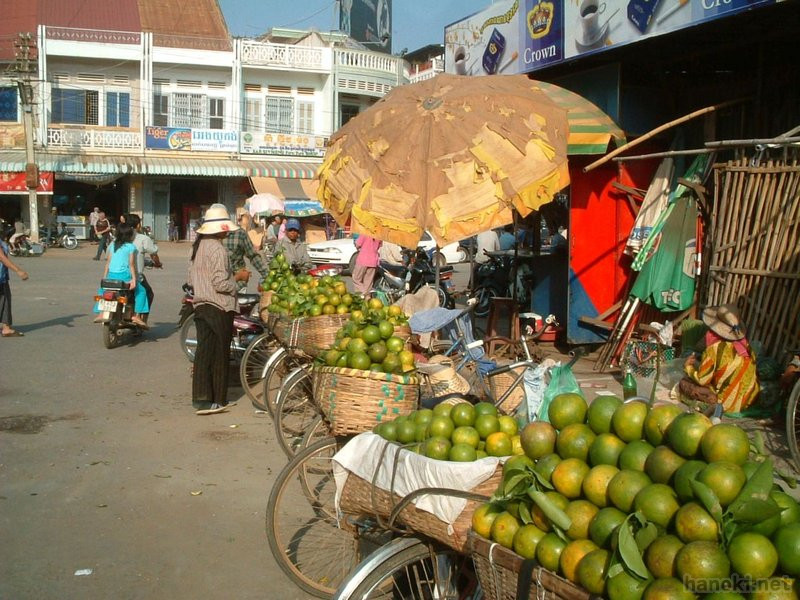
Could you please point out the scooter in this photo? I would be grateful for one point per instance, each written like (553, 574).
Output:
(395, 281)
(493, 279)
(22, 246)
(115, 302)
(64, 237)
(246, 324)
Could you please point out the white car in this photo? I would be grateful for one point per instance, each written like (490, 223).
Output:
(342, 252)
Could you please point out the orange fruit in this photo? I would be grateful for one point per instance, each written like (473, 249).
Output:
(406, 431)
(358, 360)
(658, 503)
(725, 441)
(463, 414)
(423, 415)
(622, 489)
(437, 447)
(790, 506)
(572, 554)
(498, 444)
(595, 484)
(726, 595)
(568, 477)
(574, 441)
(465, 435)
(774, 588)
(685, 433)
(508, 425)
(441, 426)
(681, 481)
(548, 551)
(660, 556)
(539, 518)
(662, 463)
(787, 543)
(567, 409)
(516, 463)
(546, 465)
(668, 588)
(701, 564)
(605, 449)
(693, 523)
(753, 555)
(526, 539)
(483, 517)
(462, 453)
(581, 513)
(725, 479)
(486, 425)
(634, 456)
(443, 410)
(658, 421)
(370, 334)
(624, 586)
(504, 528)
(604, 524)
(538, 439)
(592, 570)
(485, 408)
(600, 412)
(628, 420)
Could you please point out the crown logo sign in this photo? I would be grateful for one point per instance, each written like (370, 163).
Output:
(540, 19)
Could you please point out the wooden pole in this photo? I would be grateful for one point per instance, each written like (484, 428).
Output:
(657, 130)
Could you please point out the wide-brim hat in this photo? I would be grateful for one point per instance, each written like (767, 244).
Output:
(443, 378)
(217, 220)
(724, 321)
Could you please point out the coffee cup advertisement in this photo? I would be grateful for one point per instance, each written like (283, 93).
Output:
(486, 43)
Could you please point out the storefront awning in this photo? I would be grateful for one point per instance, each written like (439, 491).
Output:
(14, 162)
(299, 195)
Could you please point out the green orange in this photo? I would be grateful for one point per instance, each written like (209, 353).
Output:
(592, 571)
(725, 441)
(484, 516)
(572, 555)
(658, 503)
(568, 475)
(526, 540)
(574, 441)
(548, 551)
(624, 586)
(600, 412)
(595, 484)
(622, 489)
(753, 555)
(693, 523)
(604, 524)
(567, 409)
(581, 512)
(463, 414)
(546, 465)
(683, 477)
(605, 449)
(700, 564)
(658, 421)
(668, 588)
(634, 456)
(538, 439)
(725, 479)
(504, 528)
(539, 518)
(662, 463)
(660, 556)
(685, 433)
(787, 543)
(628, 420)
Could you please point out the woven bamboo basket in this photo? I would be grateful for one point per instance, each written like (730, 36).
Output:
(499, 384)
(283, 329)
(498, 570)
(354, 401)
(315, 335)
(361, 497)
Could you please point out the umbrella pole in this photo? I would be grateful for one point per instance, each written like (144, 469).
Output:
(436, 266)
(516, 258)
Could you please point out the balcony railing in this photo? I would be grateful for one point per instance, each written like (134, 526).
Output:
(282, 55)
(171, 40)
(98, 139)
(369, 61)
(72, 34)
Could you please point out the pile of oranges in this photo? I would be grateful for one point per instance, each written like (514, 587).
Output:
(631, 501)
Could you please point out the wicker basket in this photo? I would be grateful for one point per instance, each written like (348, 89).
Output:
(498, 571)
(315, 335)
(361, 497)
(499, 384)
(354, 401)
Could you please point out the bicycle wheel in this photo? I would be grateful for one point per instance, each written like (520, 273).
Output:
(295, 410)
(793, 424)
(411, 568)
(316, 431)
(304, 536)
(253, 368)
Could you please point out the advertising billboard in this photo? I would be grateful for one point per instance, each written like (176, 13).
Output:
(521, 36)
(283, 144)
(368, 21)
(196, 140)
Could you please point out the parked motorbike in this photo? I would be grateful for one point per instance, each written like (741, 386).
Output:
(64, 238)
(246, 324)
(398, 280)
(116, 305)
(22, 246)
(494, 279)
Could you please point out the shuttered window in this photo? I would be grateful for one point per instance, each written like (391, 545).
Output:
(279, 114)
(118, 109)
(8, 104)
(78, 107)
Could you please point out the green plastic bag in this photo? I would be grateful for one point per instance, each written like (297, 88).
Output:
(562, 381)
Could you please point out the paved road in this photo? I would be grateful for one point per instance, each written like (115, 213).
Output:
(101, 452)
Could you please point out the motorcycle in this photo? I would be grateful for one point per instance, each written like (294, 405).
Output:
(493, 279)
(395, 281)
(64, 237)
(115, 302)
(246, 324)
(21, 246)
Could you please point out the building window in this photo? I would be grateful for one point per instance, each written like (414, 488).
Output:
(160, 110)
(8, 104)
(118, 109)
(216, 113)
(190, 110)
(78, 107)
(348, 112)
(279, 115)
(305, 117)
(252, 115)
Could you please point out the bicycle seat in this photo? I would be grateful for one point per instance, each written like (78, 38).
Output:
(248, 298)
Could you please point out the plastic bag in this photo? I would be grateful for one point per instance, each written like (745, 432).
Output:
(562, 381)
(534, 392)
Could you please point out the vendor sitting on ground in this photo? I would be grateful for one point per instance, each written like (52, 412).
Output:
(725, 372)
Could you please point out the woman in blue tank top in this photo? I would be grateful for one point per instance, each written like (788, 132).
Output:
(122, 265)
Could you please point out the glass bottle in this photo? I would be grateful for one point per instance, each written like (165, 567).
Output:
(629, 385)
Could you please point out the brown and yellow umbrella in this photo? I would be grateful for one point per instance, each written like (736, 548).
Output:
(452, 155)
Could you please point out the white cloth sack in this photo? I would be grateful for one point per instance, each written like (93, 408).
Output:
(362, 454)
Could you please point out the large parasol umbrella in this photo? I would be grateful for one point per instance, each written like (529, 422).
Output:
(452, 155)
(264, 205)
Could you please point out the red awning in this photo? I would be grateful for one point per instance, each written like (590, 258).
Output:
(14, 183)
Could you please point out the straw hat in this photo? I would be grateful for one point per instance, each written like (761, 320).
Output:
(724, 321)
(443, 377)
(217, 220)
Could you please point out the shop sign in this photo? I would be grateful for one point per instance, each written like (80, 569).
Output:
(196, 140)
(520, 36)
(282, 144)
(14, 183)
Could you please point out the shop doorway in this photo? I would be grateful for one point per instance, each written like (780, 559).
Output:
(188, 200)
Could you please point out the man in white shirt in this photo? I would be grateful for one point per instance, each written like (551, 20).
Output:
(93, 217)
(144, 245)
(487, 242)
(391, 253)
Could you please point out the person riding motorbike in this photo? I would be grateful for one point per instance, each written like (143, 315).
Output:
(144, 245)
(295, 251)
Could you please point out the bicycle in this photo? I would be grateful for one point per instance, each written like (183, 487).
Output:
(790, 383)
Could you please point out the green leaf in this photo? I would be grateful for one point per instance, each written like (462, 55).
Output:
(551, 511)
(758, 486)
(755, 511)
(525, 513)
(628, 548)
(758, 443)
(646, 536)
(708, 498)
(542, 481)
(514, 481)
(614, 569)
